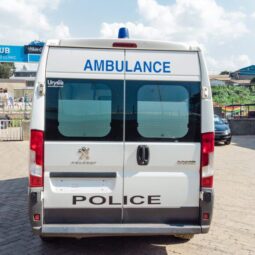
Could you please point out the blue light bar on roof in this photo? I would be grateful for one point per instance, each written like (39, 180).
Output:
(123, 33)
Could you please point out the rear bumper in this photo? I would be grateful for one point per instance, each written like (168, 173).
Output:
(89, 230)
(79, 230)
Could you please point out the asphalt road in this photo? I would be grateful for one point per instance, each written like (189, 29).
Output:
(232, 230)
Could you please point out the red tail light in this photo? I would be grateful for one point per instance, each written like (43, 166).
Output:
(207, 149)
(36, 158)
(207, 182)
(37, 217)
(124, 45)
(206, 216)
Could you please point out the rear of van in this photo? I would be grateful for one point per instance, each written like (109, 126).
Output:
(122, 140)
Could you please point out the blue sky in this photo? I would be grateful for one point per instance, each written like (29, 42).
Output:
(86, 17)
(224, 29)
(78, 13)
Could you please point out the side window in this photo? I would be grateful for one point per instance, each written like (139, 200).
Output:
(162, 111)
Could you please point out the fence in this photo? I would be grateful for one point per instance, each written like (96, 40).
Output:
(22, 109)
(239, 111)
(11, 130)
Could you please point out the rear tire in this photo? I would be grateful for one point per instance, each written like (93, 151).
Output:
(186, 237)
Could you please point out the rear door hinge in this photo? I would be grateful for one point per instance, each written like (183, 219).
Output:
(41, 89)
(205, 93)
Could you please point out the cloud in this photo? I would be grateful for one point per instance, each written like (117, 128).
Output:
(186, 20)
(232, 63)
(22, 21)
(202, 21)
(62, 31)
(137, 30)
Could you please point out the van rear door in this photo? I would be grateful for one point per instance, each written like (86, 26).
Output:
(162, 139)
(83, 171)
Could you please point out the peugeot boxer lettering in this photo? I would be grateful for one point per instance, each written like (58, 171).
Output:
(122, 139)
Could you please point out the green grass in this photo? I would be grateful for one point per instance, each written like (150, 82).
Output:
(15, 123)
(227, 95)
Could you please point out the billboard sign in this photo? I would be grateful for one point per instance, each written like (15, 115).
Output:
(33, 49)
(12, 54)
(33, 57)
(27, 53)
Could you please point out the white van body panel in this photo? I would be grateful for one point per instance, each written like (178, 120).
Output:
(162, 77)
(165, 191)
(73, 60)
(163, 167)
(92, 76)
(176, 58)
(107, 43)
(177, 184)
(207, 122)
(104, 157)
(38, 110)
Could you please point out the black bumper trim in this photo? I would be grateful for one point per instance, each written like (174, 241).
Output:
(184, 215)
(83, 175)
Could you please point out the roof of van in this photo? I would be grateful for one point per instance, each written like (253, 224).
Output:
(108, 43)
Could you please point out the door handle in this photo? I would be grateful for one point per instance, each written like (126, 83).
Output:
(143, 155)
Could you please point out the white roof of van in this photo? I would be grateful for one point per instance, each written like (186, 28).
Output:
(107, 43)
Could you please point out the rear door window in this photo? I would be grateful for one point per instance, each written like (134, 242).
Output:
(84, 110)
(162, 111)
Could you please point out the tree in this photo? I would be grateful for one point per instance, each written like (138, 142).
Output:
(232, 95)
(6, 70)
(224, 73)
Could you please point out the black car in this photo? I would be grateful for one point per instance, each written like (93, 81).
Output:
(222, 130)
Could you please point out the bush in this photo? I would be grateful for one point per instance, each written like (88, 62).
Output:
(227, 95)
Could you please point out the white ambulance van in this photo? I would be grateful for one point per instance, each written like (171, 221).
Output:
(122, 139)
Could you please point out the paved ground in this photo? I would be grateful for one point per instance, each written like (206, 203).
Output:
(232, 231)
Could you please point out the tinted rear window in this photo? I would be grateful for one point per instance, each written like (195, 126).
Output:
(92, 110)
(162, 111)
(84, 110)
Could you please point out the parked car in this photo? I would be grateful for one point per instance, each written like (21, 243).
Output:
(222, 130)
